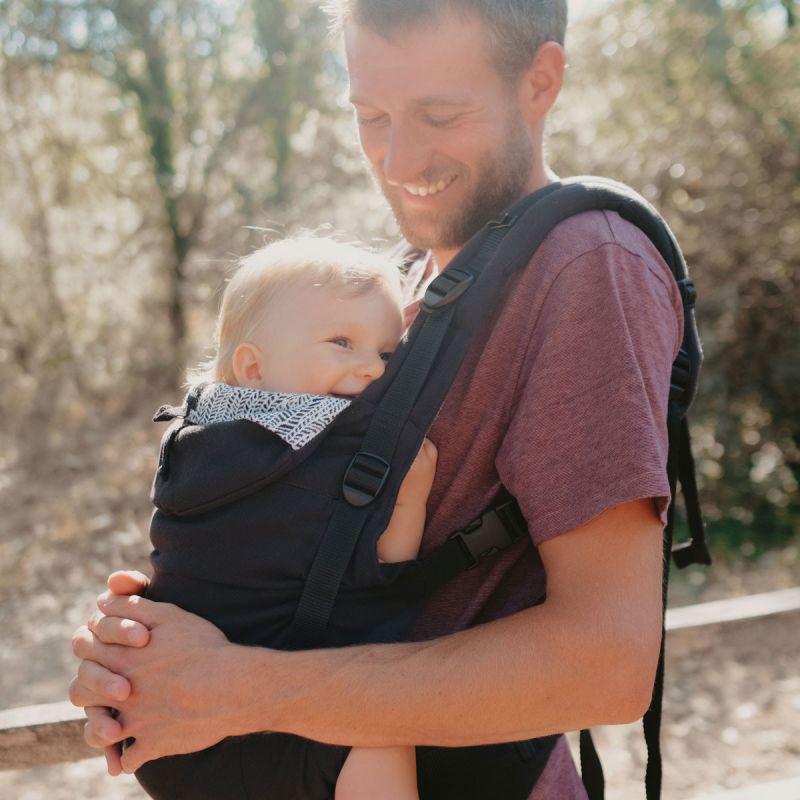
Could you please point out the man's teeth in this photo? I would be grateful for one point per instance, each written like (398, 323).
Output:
(433, 188)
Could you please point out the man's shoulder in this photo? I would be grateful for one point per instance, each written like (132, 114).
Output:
(589, 232)
(590, 264)
(584, 246)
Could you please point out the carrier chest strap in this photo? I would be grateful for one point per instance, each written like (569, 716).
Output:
(495, 530)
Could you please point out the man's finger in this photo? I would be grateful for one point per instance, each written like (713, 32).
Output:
(133, 756)
(113, 630)
(136, 608)
(101, 729)
(113, 759)
(97, 686)
(127, 582)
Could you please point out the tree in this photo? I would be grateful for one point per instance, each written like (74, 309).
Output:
(203, 76)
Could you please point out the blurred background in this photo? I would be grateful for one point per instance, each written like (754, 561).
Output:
(146, 144)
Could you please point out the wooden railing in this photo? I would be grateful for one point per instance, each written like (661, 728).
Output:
(53, 733)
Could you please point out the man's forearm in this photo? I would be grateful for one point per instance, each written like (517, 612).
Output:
(586, 656)
(511, 679)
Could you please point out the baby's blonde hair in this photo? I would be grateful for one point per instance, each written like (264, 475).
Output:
(261, 277)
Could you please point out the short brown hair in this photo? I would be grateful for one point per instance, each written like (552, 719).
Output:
(516, 28)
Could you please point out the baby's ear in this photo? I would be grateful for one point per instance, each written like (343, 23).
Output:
(247, 366)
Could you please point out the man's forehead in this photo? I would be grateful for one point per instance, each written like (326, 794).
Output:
(437, 64)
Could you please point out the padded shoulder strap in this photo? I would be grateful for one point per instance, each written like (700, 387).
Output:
(455, 306)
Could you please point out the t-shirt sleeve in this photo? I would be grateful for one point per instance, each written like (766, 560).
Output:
(588, 429)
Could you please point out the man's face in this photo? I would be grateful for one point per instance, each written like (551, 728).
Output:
(441, 129)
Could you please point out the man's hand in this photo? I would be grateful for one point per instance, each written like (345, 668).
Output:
(96, 688)
(129, 651)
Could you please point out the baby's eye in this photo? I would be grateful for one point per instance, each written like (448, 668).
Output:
(341, 341)
(385, 356)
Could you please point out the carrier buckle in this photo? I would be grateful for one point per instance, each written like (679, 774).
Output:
(445, 288)
(364, 479)
(506, 221)
(493, 531)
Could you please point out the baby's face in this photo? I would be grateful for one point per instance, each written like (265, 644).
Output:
(323, 342)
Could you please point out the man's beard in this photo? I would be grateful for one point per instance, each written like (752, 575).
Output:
(501, 179)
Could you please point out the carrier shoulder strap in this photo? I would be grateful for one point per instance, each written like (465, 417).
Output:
(505, 245)
(439, 337)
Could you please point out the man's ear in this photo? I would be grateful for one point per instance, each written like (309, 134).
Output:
(248, 366)
(542, 81)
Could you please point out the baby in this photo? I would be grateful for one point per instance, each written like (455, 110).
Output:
(305, 325)
(315, 316)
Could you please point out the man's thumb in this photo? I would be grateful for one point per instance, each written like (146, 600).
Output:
(127, 582)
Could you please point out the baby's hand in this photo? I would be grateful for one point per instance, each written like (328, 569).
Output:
(400, 541)
(417, 484)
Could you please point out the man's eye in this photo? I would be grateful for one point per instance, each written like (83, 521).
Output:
(442, 122)
(366, 121)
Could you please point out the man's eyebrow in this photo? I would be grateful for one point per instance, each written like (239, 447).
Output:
(443, 100)
(425, 102)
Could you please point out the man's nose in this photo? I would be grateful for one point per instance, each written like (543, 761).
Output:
(407, 155)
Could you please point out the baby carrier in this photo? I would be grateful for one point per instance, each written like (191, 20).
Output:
(233, 543)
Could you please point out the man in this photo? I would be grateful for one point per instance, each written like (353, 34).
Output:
(563, 402)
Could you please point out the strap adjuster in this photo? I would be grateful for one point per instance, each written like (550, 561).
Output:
(506, 221)
(688, 292)
(364, 479)
(680, 377)
(445, 288)
(493, 531)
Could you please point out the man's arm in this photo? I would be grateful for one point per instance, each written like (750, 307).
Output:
(585, 656)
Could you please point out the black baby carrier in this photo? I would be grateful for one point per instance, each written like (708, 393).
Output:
(277, 546)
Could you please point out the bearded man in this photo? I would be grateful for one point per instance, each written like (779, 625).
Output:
(562, 401)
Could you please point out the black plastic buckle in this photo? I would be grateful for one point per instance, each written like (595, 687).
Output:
(364, 479)
(445, 288)
(507, 221)
(688, 292)
(692, 552)
(493, 531)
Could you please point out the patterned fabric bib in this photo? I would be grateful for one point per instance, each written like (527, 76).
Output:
(296, 418)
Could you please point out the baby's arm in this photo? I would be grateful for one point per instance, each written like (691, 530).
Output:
(391, 772)
(400, 541)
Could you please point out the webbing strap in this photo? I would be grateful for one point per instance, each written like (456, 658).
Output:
(651, 722)
(591, 769)
(695, 551)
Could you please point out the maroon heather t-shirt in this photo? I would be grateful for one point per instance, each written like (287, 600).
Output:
(563, 401)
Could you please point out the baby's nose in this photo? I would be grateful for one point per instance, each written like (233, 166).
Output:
(374, 367)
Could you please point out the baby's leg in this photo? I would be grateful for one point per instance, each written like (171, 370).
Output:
(389, 773)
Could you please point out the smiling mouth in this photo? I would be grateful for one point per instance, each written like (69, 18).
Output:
(429, 189)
